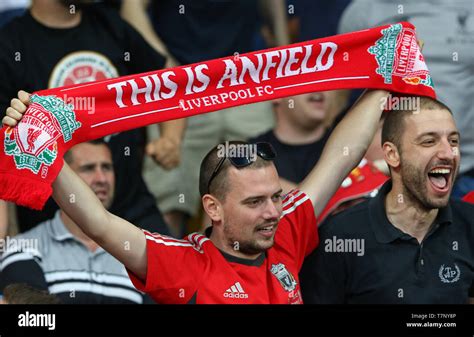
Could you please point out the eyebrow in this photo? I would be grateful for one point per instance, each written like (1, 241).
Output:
(260, 196)
(93, 165)
(435, 134)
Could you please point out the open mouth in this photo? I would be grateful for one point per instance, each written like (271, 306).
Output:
(267, 231)
(101, 194)
(440, 179)
(316, 98)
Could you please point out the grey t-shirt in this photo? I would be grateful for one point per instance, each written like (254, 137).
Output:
(447, 28)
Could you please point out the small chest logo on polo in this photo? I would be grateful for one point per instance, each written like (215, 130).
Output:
(287, 281)
(33, 142)
(449, 274)
(81, 67)
(397, 54)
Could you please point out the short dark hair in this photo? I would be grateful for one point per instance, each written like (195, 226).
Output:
(220, 184)
(98, 141)
(22, 293)
(394, 124)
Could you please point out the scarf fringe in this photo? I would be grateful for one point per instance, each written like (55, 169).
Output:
(24, 191)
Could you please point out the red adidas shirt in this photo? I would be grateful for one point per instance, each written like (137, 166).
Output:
(195, 271)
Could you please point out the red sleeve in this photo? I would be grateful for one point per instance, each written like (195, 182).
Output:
(297, 232)
(174, 268)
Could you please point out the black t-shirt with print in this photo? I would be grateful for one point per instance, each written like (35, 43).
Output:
(34, 57)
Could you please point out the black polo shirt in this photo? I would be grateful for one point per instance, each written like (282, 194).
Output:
(363, 258)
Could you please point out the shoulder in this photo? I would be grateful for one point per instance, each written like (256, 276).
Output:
(103, 12)
(110, 19)
(296, 200)
(352, 221)
(263, 137)
(32, 242)
(463, 210)
(12, 34)
(195, 241)
(13, 26)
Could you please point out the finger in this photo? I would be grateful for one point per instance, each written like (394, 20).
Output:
(24, 96)
(13, 113)
(421, 43)
(149, 149)
(159, 156)
(9, 121)
(18, 105)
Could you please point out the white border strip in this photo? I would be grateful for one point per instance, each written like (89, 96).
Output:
(133, 116)
(321, 81)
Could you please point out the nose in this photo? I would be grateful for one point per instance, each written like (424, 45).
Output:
(446, 151)
(100, 176)
(272, 210)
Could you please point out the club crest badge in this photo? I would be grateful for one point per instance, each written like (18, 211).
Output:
(286, 279)
(397, 54)
(448, 274)
(33, 143)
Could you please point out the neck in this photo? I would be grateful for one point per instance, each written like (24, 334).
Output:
(408, 214)
(221, 243)
(77, 232)
(53, 14)
(291, 134)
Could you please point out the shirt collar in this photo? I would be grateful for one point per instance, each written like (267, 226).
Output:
(383, 229)
(58, 230)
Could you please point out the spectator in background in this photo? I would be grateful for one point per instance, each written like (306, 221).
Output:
(57, 256)
(21, 293)
(59, 43)
(193, 31)
(303, 125)
(447, 28)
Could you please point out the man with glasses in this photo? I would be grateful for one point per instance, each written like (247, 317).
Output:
(255, 247)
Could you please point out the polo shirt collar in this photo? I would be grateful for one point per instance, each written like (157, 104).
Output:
(384, 230)
(58, 230)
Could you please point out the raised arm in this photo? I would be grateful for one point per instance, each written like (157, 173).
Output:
(3, 219)
(135, 13)
(345, 148)
(117, 236)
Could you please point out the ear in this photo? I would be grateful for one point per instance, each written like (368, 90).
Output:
(391, 154)
(213, 207)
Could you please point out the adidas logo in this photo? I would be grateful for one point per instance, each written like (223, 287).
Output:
(236, 291)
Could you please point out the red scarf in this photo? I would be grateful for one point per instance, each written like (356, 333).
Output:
(385, 57)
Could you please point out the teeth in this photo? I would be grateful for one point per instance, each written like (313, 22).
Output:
(441, 171)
